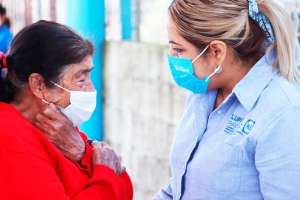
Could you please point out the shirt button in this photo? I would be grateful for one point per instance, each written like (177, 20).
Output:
(219, 112)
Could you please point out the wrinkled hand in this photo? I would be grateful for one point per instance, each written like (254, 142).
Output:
(105, 155)
(61, 132)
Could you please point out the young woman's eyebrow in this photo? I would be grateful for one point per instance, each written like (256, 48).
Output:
(173, 42)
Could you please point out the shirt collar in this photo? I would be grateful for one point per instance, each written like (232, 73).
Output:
(251, 86)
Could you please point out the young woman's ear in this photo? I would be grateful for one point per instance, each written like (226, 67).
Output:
(37, 85)
(218, 50)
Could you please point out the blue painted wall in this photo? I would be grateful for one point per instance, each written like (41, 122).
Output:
(87, 17)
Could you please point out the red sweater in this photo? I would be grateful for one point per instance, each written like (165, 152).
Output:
(31, 168)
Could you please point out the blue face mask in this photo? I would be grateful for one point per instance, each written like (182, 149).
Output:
(183, 74)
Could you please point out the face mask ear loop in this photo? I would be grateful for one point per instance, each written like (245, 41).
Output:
(200, 54)
(60, 86)
(215, 72)
(45, 101)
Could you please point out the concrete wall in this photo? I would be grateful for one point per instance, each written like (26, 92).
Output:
(142, 106)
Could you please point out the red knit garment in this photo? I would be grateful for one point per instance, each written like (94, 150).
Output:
(32, 168)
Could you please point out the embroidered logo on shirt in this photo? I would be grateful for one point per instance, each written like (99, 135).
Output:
(236, 125)
(248, 126)
(233, 124)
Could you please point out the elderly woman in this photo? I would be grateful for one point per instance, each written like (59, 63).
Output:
(47, 90)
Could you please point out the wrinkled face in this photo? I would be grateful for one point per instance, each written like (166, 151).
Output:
(76, 77)
(179, 47)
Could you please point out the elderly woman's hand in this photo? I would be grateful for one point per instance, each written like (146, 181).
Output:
(104, 155)
(61, 132)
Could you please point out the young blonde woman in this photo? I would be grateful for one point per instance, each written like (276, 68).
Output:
(239, 137)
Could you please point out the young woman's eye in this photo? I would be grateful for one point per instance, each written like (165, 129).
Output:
(177, 50)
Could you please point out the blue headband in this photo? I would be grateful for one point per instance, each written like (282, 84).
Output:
(265, 24)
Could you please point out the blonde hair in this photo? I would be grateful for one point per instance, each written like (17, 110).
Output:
(201, 21)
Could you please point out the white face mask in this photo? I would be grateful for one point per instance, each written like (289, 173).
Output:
(82, 105)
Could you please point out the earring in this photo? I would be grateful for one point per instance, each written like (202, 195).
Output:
(218, 69)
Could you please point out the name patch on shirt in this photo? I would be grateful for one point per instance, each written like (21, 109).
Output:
(235, 125)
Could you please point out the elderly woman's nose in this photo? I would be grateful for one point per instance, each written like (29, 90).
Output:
(90, 87)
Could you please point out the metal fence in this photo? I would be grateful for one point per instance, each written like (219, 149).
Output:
(17, 13)
(25, 12)
(149, 17)
(149, 20)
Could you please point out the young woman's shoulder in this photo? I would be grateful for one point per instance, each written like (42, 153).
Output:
(284, 91)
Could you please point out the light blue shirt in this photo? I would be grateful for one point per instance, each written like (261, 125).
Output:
(249, 147)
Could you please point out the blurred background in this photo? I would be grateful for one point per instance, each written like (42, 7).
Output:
(138, 104)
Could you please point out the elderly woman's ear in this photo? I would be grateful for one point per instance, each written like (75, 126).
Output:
(37, 86)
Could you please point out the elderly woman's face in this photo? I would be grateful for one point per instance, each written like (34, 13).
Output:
(76, 77)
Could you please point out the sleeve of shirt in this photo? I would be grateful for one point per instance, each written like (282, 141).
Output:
(277, 157)
(27, 177)
(8, 39)
(105, 184)
(165, 193)
(86, 163)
